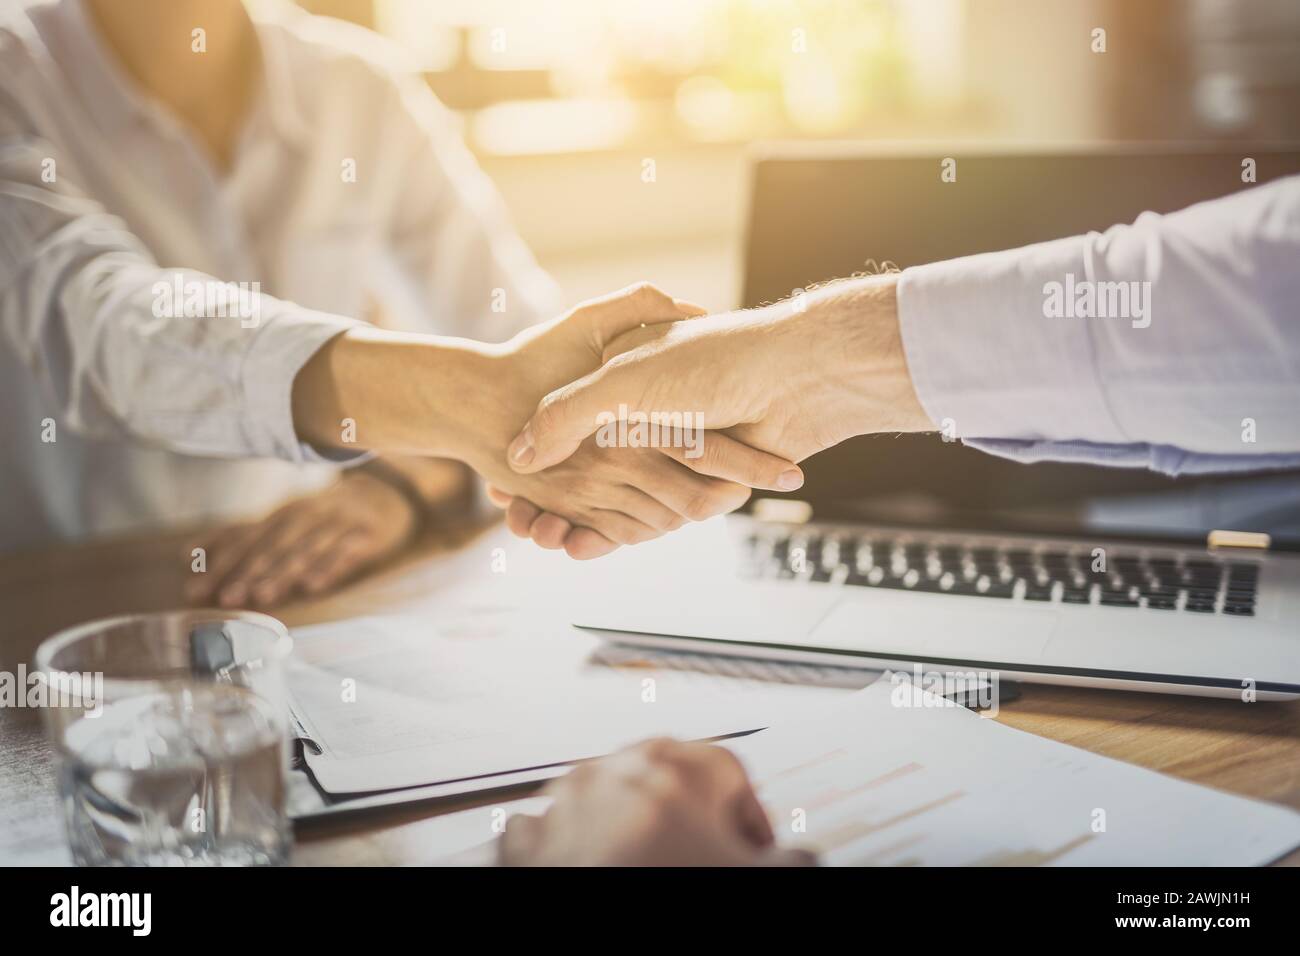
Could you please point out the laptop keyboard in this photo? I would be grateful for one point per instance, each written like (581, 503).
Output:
(1199, 585)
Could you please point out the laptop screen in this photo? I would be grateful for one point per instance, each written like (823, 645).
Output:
(814, 218)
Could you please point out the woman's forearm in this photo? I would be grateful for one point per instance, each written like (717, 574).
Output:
(396, 392)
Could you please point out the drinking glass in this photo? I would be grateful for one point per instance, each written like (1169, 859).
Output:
(171, 732)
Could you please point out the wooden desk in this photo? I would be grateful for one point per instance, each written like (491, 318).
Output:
(1249, 749)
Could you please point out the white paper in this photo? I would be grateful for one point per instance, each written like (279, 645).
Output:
(893, 776)
(393, 703)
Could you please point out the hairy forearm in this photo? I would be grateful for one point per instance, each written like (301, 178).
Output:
(392, 392)
(854, 326)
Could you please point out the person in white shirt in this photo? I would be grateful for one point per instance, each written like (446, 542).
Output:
(193, 203)
(1200, 372)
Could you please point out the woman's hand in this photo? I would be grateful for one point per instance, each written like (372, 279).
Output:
(308, 546)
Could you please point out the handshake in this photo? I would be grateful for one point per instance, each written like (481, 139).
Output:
(631, 414)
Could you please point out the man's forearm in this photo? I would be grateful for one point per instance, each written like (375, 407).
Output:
(854, 324)
(373, 389)
(790, 378)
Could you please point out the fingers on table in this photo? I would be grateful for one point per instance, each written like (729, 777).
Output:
(347, 555)
(228, 556)
(297, 550)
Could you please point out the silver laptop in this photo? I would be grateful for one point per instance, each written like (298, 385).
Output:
(921, 552)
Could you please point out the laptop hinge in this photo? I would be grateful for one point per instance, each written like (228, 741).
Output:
(1256, 540)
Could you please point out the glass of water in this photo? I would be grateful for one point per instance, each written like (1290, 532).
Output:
(172, 736)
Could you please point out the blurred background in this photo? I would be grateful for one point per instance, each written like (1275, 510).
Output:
(565, 101)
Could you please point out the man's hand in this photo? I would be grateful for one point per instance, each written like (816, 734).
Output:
(307, 546)
(660, 803)
(789, 380)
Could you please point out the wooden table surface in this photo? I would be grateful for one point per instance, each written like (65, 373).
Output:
(1248, 749)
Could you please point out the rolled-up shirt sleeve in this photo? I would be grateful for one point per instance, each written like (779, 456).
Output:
(170, 357)
(1172, 343)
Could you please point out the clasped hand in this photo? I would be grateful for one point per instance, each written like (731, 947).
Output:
(603, 494)
(773, 385)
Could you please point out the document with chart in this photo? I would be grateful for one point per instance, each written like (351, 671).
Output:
(894, 776)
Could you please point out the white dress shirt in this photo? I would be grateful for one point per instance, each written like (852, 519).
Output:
(1201, 373)
(350, 189)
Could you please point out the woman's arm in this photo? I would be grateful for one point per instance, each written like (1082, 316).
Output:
(453, 398)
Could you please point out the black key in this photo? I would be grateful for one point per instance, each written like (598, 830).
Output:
(1199, 607)
(1038, 594)
(1073, 596)
(1159, 592)
(970, 589)
(1239, 610)
(1162, 604)
(928, 585)
(998, 591)
(894, 584)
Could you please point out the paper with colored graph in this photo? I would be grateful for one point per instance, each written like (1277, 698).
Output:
(893, 776)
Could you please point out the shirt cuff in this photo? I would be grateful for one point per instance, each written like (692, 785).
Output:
(985, 360)
(276, 354)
